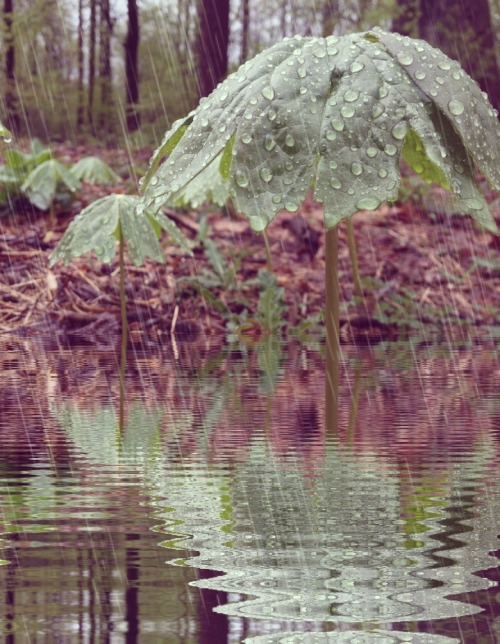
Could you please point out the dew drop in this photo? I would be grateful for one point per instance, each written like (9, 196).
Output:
(335, 183)
(405, 58)
(330, 135)
(348, 111)
(271, 115)
(377, 111)
(351, 95)
(291, 206)
(268, 92)
(356, 168)
(246, 138)
(475, 204)
(265, 174)
(289, 141)
(7, 139)
(276, 199)
(356, 67)
(399, 131)
(367, 203)
(223, 96)
(382, 173)
(301, 72)
(333, 165)
(371, 152)
(383, 92)
(390, 149)
(439, 80)
(445, 65)
(456, 107)
(338, 125)
(241, 179)
(154, 181)
(269, 142)
(419, 75)
(258, 223)
(319, 52)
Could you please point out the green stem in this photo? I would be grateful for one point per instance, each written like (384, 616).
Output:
(353, 253)
(332, 319)
(269, 261)
(123, 306)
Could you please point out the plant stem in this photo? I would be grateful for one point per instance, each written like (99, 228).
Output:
(332, 319)
(353, 253)
(269, 262)
(123, 306)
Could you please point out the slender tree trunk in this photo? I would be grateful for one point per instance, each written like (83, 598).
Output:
(105, 78)
(406, 18)
(464, 31)
(245, 25)
(80, 109)
(12, 121)
(92, 51)
(331, 15)
(212, 44)
(131, 67)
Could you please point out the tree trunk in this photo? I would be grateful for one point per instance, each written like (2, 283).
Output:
(80, 108)
(330, 16)
(105, 78)
(92, 50)
(12, 121)
(463, 30)
(131, 70)
(245, 25)
(406, 18)
(212, 44)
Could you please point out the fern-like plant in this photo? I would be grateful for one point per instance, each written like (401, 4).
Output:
(335, 115)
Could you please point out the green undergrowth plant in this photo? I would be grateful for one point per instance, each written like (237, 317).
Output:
(113, 220)
(43, 180)
(335, 115)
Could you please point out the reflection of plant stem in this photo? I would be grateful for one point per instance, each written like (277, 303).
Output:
(353, 253)
(332, 297)
(353, 413)
(269, 262)
(123, 306)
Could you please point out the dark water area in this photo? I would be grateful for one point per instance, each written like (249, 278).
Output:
(229, 508)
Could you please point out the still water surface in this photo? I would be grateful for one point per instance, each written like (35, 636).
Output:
(229, 509)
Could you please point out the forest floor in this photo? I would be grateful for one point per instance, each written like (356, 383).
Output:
(425, 271)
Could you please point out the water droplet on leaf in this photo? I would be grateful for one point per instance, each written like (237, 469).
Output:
(268, 92)
(456, 107)
(265, 174)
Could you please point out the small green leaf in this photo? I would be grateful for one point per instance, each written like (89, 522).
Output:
(94, 170)
(226, 158)
(170, 140)
(415, 156)
(207, 187)
(171, 229)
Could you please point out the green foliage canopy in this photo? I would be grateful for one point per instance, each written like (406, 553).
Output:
(335, 114)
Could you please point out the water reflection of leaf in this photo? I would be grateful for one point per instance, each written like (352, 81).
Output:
(365, 636)
(95, 433)
(333, 548)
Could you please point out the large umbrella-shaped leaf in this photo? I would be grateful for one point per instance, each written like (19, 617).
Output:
(97, 227)
(94, 170)
(41, 184)
(336, 114)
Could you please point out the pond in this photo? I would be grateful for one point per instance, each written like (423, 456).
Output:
(228, 507)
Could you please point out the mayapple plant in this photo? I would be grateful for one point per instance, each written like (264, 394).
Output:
(335, 114)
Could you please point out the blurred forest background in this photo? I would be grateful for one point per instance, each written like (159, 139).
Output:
(121, 71)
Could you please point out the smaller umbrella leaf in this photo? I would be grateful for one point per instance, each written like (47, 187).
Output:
(94, 170)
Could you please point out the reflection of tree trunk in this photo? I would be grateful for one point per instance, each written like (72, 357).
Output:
(92, 48)
(79, 113)
(463, 30)
(245, 24)
(131, 67)
(332, 305)
(11, 100)
(132, 592)
(212, 44)
(213, 627)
